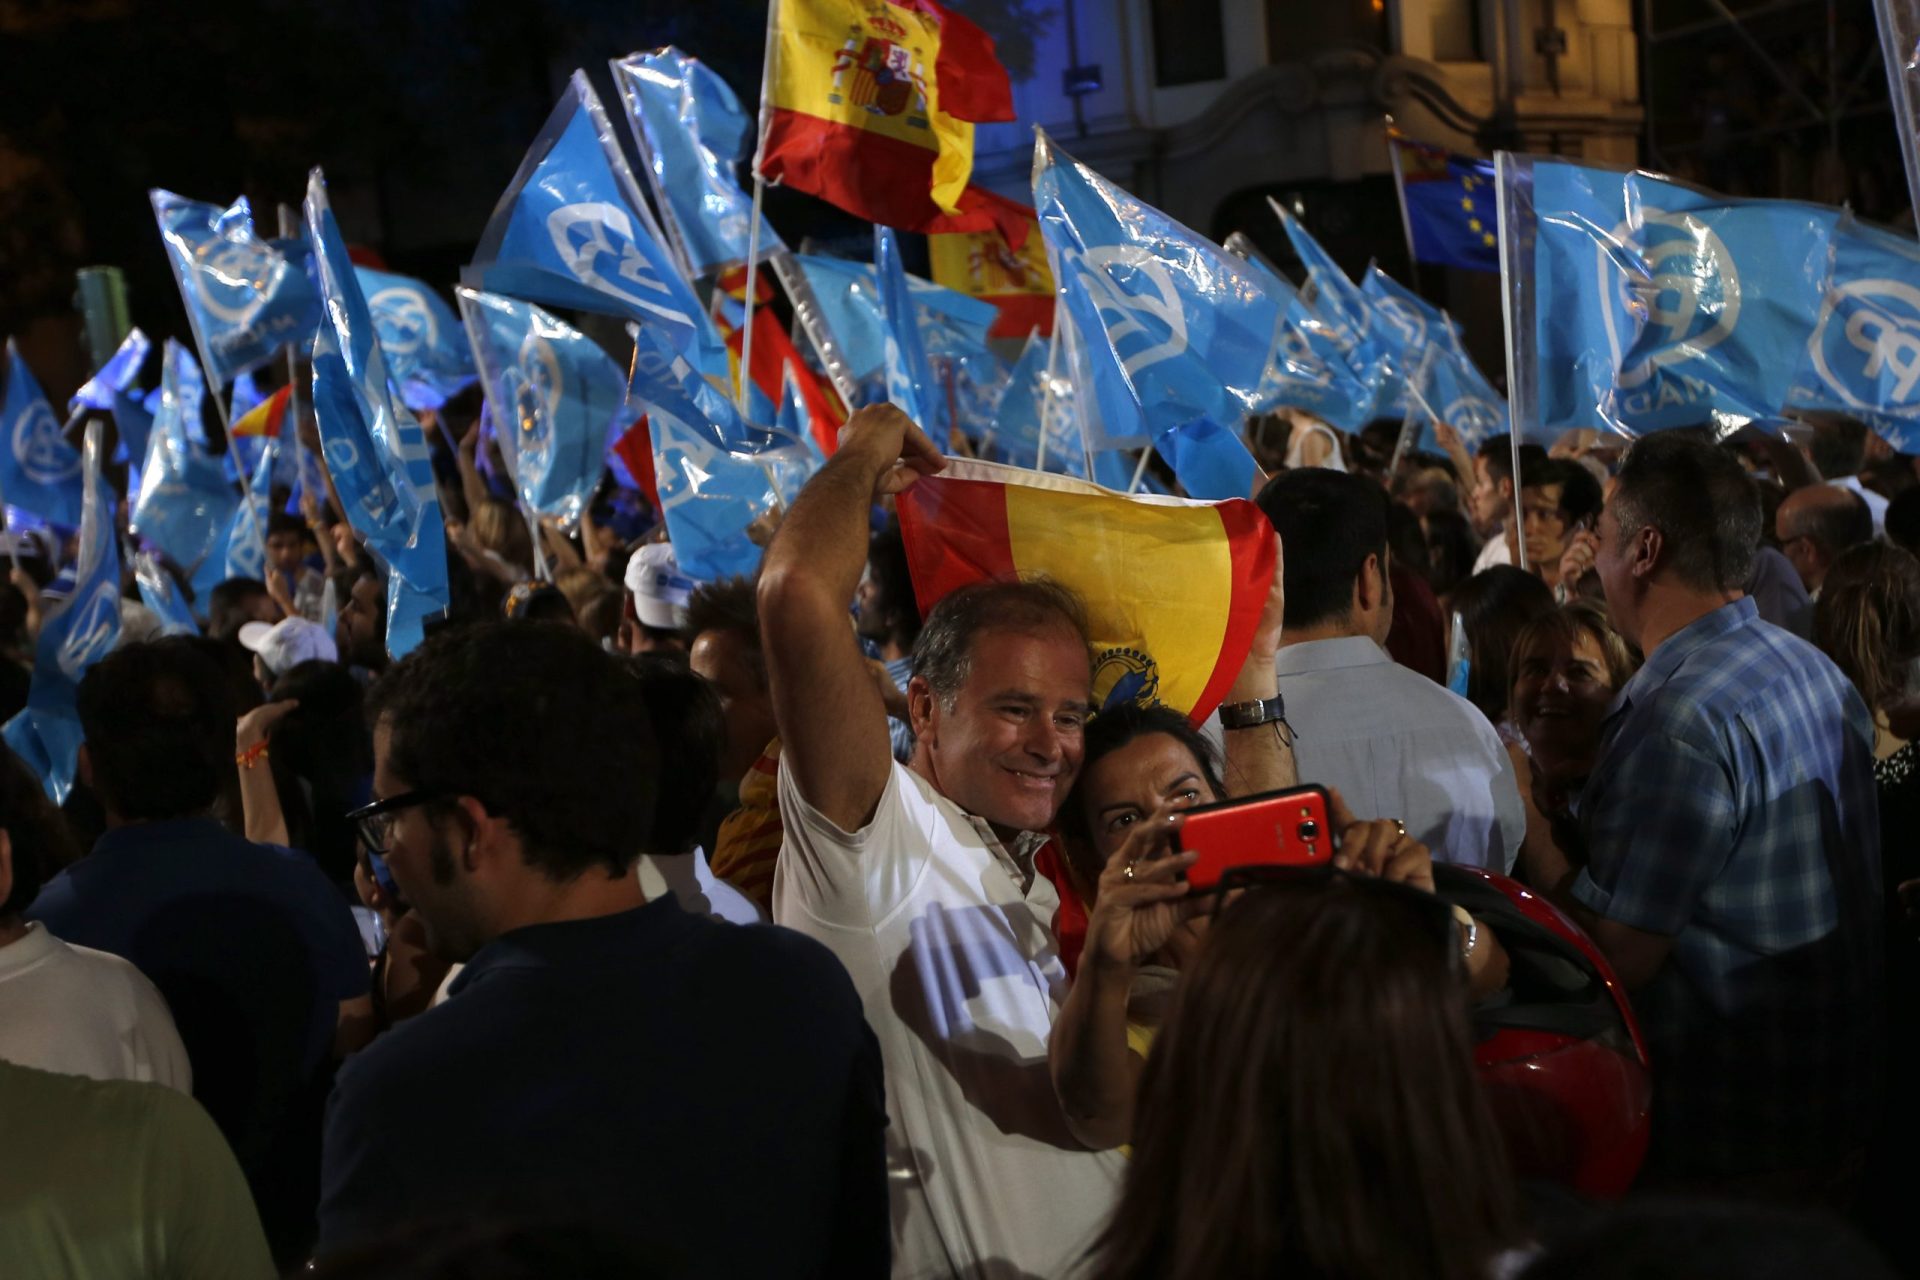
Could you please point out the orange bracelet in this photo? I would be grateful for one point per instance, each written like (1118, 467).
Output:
(252, 756)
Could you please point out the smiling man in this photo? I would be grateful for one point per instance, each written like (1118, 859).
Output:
(921, 877)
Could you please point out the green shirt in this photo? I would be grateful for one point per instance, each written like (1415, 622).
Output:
(116, 1179)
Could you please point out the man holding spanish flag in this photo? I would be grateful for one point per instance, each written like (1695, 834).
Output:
(922, 877)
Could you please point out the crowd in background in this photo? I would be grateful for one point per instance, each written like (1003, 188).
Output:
(634, 926)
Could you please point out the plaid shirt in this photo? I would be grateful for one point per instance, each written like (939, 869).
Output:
(1733, 810)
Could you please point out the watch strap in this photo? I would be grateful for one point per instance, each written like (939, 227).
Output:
(1258, 711)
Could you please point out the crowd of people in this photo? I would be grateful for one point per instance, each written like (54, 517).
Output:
(634, 926)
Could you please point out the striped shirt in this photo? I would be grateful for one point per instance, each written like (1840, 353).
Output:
(1732, 809)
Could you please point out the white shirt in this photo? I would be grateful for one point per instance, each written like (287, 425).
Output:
(1296, 446)
(1495, 552)
(1397, 745)
(83, 1012)
(1876, 505)
(948, 936)
(692, 881)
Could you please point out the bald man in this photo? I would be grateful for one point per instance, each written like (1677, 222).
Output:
(1815, 524)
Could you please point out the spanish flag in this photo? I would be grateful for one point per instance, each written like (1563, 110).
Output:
(1009, 272)
(774, 358)
(1173, 588)
(871, 104)
(263, 421)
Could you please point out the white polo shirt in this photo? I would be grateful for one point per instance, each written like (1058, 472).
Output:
(83, 1012)
(948, 936)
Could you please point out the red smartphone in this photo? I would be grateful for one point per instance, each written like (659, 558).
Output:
(1283, 828)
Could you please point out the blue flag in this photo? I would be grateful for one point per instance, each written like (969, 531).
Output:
(555, 396)
(184, 503)
(573, 231)
(1016, 418)
(1345, 312)
(1411, 319)
(692, 132)
(1310, 370)
(910, 382)
(243, 551)
(245, 297)
(1424, 337)
(39, 470)
(708, 498)
(161, 594)
(662, 382)
(1449, 203)
(1179, 333)
(1862, 355)
(46, 734)
(134, 423)
(427, 355)
(1654, 304)
(117, 376)
(372, 440)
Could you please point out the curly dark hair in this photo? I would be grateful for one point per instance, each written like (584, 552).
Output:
(541, 726)
(157, 720)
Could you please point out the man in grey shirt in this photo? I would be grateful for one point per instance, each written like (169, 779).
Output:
(1394, 743)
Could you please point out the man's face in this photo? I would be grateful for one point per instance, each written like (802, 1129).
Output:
(1489, 503)
(358, 631)
(868, 619)
(1546, 524)
(286, 550)
(1798, 548)
(727, 661)
(1010, 746)
(427, 866)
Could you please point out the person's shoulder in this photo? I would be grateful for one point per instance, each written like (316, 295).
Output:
(102, 969)
(764, 964)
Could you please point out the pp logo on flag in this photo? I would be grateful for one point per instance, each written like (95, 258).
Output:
(584, 234)
(229, 278)
(42, 452)
(402, 320)
(1677, 292)
(1299, 363)
(1866, 345)
(1473, 417)
(1404, 319)
(536, 384)
(1141, 317)
(95, 626)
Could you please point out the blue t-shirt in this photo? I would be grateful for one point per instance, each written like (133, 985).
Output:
(252, 947)
(713, 1089)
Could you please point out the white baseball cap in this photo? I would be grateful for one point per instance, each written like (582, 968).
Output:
(659, 589)
(285, 644)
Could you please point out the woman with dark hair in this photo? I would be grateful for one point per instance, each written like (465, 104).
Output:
(1310, 1107)
(1451, 550)
(1493, 606)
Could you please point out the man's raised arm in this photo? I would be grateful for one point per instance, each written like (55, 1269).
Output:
(833, 727)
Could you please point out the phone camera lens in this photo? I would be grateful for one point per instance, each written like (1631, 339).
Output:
(1309, 830)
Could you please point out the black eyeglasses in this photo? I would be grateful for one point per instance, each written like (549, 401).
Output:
(374, 821)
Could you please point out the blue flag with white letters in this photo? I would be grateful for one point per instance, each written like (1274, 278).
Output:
(427, 355)
(245, 297)
(555, 395)
(1309, 371)
(708, 498)
(374, 440)
(116, 376)
(909, 376)
(184, 503)
(1656, 305)
(1179, 332)
(1862, 355)
(39, 470)
(572, 230)
(46, 734)
(692, 132)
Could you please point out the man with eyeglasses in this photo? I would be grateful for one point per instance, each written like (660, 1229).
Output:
(602, 1058)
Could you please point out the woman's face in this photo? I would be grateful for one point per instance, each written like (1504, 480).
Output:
(1155, 773)
(1560, 697)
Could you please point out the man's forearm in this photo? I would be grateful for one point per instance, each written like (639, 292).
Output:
(1259, 757)
(1095, 1073)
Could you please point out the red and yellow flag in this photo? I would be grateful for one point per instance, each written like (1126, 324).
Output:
(987, 265)
(871, 104)
(774, 358)
(264, 419)
(1173, 588)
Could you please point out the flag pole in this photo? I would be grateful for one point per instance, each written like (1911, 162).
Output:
(753, 278)
(1517, 313)
(1046, 400)
(1409, 425)
(1400, 190)
(290, 227)
(1140, 472)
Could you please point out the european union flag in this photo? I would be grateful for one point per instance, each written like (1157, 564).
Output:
(1450, 206)
(1178, 331)
(184, 502)
(372, 439)
(46, 734)
(692, 132)
(245, 297)
(427, 355)
(554, 391)
(39, 470)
